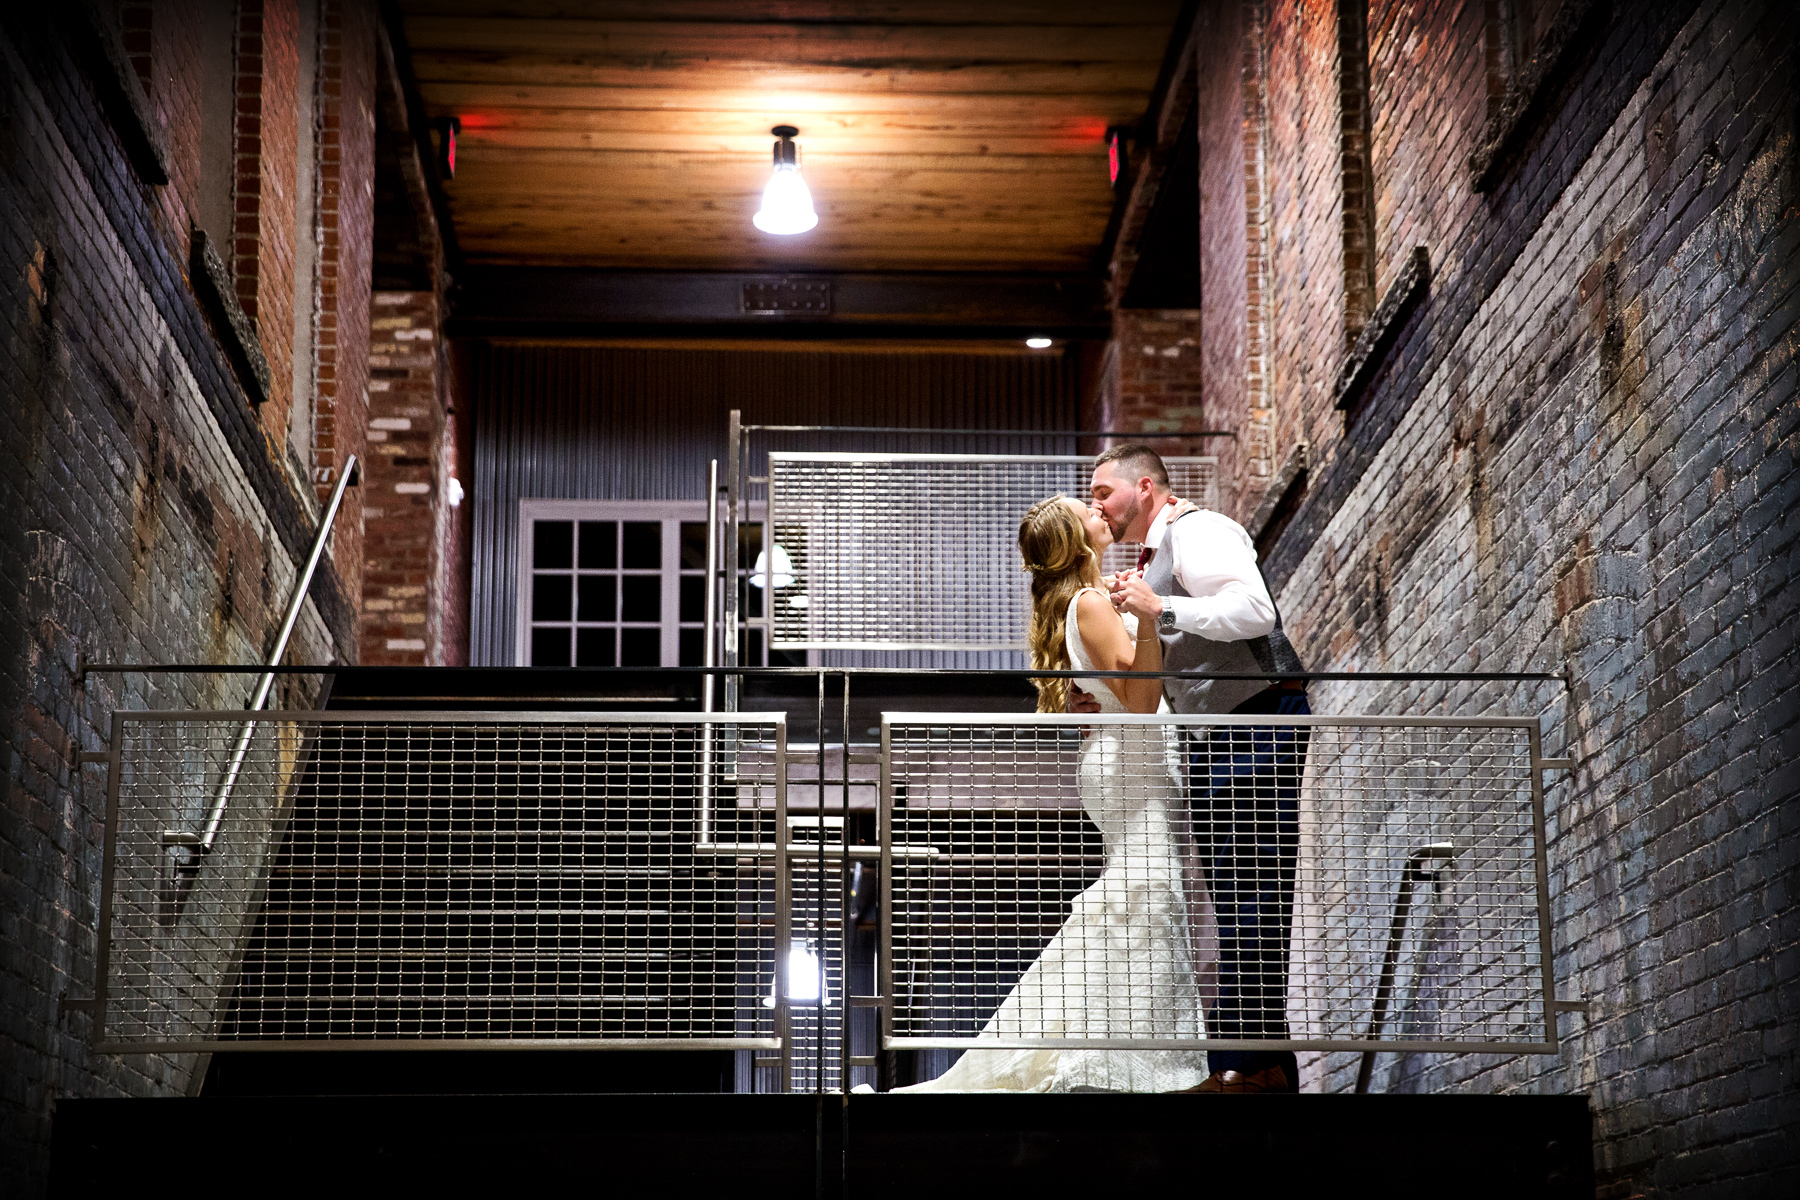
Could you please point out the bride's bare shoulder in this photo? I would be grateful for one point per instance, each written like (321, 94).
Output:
(1094, 610)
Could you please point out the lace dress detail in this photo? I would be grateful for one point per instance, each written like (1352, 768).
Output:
(1120, 966)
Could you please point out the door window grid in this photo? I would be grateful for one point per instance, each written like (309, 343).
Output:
(596, 593)
(623, 583)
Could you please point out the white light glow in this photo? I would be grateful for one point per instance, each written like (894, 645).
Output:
(786, 204)
(804, 976)
(1038, 343)
(784, 569)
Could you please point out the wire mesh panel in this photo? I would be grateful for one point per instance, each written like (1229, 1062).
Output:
(917, 551)
(458, 879)
(818, 875)
(1167, 882)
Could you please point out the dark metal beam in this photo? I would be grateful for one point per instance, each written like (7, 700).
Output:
(549, 301)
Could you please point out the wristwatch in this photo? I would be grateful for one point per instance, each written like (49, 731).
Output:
(1166, 622)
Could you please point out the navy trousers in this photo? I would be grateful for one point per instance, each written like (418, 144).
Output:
(1244, 793)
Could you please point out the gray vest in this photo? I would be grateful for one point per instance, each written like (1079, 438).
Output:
(1183, 651)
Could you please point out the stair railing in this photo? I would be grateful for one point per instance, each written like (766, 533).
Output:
(202, 843)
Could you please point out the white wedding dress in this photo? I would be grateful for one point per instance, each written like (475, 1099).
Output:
(1121, 965)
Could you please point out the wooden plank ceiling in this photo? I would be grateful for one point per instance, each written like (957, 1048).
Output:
(935, 135)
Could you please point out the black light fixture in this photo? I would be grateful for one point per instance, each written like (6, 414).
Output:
(786, 204)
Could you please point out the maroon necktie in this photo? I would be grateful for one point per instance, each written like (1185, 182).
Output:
(1144, 556)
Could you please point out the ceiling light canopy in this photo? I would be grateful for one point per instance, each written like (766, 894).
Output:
(786, 204)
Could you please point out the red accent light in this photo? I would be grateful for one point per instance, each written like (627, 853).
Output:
(1112, 156)
(447, 128)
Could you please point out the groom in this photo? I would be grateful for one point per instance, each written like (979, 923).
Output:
(1201, 585)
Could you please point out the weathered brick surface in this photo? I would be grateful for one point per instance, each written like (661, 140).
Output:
(346, 253)
(1232, 235)
(149, 519)
(171, 72)
(1577, 453)
(263, 197)
(407, 515)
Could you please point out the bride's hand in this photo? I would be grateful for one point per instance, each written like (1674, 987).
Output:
(1082, 702)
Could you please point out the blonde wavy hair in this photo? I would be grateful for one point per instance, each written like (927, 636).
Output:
(1062, 561)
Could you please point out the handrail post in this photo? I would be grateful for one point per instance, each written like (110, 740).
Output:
(784, 917)
(222, 797)
(1415, 872)
(734, 484)
(707, 734)
(846, 922)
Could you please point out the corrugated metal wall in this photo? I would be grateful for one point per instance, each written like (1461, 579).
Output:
(641, 423)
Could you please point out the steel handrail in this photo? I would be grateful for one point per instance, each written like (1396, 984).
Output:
(203, 843)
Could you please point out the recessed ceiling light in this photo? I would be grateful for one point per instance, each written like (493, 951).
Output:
(1038, 343)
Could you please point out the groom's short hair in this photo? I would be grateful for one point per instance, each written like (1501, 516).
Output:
(1137, 460)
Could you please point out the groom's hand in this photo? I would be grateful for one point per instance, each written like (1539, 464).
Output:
(1130, 594)
(1082, 702)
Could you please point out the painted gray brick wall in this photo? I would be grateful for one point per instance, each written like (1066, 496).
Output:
(1597, 472)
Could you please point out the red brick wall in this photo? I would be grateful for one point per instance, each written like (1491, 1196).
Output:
(1307, 304)
(407, 517)
(1157, 387)
(164, 43)
(1429, 101)
(263, 202)
(1232, 231)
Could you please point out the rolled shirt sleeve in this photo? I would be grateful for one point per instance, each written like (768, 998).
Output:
(1215, 563)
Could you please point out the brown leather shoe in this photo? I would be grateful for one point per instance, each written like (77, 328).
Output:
(1269, 1079)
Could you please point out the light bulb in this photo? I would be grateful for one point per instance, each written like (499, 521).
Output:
(803, 974)
(786, 204)
(806, 977)
(1038, 343)
(784, 569)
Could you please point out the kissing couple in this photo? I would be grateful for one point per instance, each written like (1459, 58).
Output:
(1185, 934)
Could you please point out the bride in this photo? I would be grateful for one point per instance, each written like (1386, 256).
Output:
(1120, 966)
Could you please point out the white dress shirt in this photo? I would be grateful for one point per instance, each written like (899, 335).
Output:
(1215, 561)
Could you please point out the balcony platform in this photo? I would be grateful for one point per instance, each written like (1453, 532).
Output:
(808, 1146)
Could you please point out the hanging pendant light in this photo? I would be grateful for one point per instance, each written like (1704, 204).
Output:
(786, 204)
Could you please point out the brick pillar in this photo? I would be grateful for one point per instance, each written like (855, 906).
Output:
(263, 204)
(406, 513)
(346, 224)
(1158, 372)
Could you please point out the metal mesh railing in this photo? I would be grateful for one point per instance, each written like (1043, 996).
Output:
(1177, 882)
(463, 879)
(1135, 883)
(887, 549)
